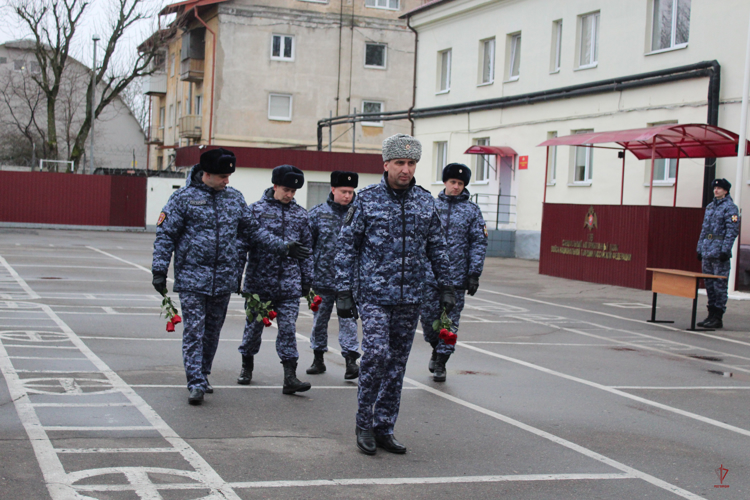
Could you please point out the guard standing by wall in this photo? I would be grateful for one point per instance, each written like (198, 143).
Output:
(326, 220)
(721, 224)
(466, 237)
(391, 232)
(208, 227)
(279, 279)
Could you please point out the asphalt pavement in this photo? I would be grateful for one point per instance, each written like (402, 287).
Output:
(558, 389)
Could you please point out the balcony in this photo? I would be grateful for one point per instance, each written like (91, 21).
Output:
(190, 126)
(156, 138)
(155, 84)
(191, 70)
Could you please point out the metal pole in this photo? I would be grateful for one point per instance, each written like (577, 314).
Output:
(330, 131)
(622, 181)
(651, 184)
(741, 150)
(354, 130)
(676, 180)
(546, 173)
(95, 38)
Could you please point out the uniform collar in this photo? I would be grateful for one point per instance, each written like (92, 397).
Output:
(463, 196)
(338, 206)
(268, 198)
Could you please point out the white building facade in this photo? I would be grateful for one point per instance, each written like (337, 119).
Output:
(493, 57)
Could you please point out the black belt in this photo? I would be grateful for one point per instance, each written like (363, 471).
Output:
(713, 237)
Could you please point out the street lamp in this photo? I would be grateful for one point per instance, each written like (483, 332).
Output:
(95, 38)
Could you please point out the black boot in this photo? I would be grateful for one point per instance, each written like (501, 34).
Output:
(440, 372)
(431, 366)
(246, 375)
(352, 369)
(291, 383)
(196, 397)
(366, 441)
(389, 444)
(711, 314)
(209, 388)
(318, 366)
(716, 321)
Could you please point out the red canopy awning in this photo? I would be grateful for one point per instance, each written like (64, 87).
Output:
(691, 140)
(490, 150)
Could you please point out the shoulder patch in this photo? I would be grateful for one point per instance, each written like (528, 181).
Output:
(484, 228)
(350, 215)
(162, 218)
(735, 218)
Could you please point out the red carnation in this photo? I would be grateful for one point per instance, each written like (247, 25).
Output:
(317, 300)
(266, 321)
(443, 333)
(272, 314)
(176, 319)
(314, 307)
(170, 326)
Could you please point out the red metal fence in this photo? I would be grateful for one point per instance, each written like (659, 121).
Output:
(68, 199)
(614, 244)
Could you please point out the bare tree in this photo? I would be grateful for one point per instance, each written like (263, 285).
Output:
(53, 25)
(21, 131)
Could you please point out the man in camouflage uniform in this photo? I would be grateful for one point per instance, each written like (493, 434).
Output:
(721, 224)
(207, 226)
(326, 220)
(276, 278)
(466, 237)
(390, 233)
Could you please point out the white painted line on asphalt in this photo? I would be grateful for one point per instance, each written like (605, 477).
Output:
(393, 481)
(41, 347)
(687, 388)
(243, 387)
(31, 294)
(609, 389)
(109, 310)
(643, 322)
(530, 343)
(79, 405)
(123, 260)
(58, 371)
(48, 358)
(628, 305)
(558, 440)
(115, 450)
(57, 266)
(86, 428)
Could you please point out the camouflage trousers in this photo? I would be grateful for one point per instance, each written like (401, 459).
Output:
(431, 310)
(202, 316)
(286, 338)
(347, 328)
(387, 337)
(717, 289)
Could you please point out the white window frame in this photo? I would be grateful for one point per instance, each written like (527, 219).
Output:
(588, 162)
(552, 161)
(291, 107)
(515, 40)
(315, 1)
(444, 63)
(491, 44)
(199, 104)
(593, 34)
(378, 123)
(171, 116)
(385, 55)
(483, 163)
(282, 45)
(441, 160)
(673, 45)
(557, 27)
(382, 4)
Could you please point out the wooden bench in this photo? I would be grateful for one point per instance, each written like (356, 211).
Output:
(680, 284)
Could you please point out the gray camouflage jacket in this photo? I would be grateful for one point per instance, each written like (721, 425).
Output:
(385, 244)
(326, 220)
(209, 232)
(721, 224)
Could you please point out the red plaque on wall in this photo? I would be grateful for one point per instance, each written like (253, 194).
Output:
(523, 162)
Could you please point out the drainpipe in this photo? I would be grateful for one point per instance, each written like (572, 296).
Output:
(213, 74)
(709, 172)
(148, 139)
(414, 86)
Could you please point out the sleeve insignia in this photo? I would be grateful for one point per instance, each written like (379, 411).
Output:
(485, 231)
(350, 215)
(734, 218)
(162, 218)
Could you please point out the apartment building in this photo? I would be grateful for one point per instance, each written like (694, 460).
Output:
(512, 73)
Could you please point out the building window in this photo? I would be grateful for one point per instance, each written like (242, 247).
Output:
(441, 159)
(382, 4)
(514, 62)
(317, 193)
(488, 61)
(556, 46)
(171, 64)
(162, 117)
(282, 48)
(159, 163)
(280, 107)
(375, 55)
(171, 114)
(199, 105)
(444, 70)
(372, 107)
(483, 163)
(665, 169)
(670, 24)
(589, 54)
(552, 161)
(584, 156)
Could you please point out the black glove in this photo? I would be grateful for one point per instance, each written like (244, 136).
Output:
(159, 280)
(447, 298)
(345, 306)
(700, 256)
(306, 289)
(723, 256)
(297, 250)
(472, 284)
